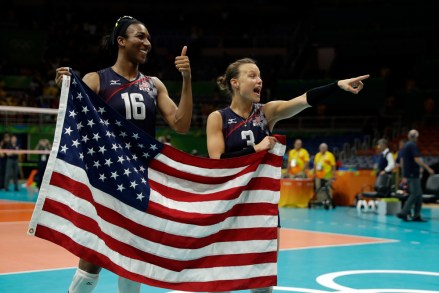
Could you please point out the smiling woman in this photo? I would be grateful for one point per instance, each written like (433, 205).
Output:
(138, 98)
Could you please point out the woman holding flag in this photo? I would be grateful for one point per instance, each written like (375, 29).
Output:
(137, 97)
(246, 126)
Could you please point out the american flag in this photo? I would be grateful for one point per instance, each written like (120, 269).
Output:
(116, 197)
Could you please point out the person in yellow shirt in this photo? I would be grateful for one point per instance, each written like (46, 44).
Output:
(298, 161)
(324, 167)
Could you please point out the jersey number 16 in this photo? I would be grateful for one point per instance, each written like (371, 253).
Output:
(134, 106)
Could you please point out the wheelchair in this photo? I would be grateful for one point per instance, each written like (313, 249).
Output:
(323, 196)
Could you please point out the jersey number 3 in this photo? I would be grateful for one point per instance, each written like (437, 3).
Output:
(134, 106)
(248, 136)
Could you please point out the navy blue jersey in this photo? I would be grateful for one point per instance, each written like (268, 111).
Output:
(240, 133)
(135, 100)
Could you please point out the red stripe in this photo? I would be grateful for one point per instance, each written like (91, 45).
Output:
(207, 163)
(195, 178)
(263, 157)
(82, 191)
(101, 260)
(77, 188)
(282, 139)
(262, 183)
(117, 219)
(268, 159)
(125, 86)
(272, 159)
(249, 209)
(242, 123)
(90, 225)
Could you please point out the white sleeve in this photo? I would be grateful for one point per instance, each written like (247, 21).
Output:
(390, 162)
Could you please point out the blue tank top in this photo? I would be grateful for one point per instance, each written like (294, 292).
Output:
(240, 133)
(135, 100)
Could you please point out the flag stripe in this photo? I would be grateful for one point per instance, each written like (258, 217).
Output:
(195, 178)
(83, 223)
(249, 209)
(212, 167)
(101, 199)
(207, 174)
(263, 171)
(117, 219)
(165, 247)
(254, 184)
(98, 258)
(209, 219)
(159, 271)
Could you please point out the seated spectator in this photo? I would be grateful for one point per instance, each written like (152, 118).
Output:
(386, 163)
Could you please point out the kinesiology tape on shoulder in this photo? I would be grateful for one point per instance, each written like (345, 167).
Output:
(318, 94)
(240, 153)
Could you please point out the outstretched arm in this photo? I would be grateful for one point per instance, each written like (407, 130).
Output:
(279, 110)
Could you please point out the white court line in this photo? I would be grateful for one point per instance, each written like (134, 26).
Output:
(378, 240)
(14, 223)
(15, 210)
(339, 245)
(340, 234)
(37, 271)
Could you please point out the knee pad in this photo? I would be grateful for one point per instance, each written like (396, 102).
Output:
(83, 282)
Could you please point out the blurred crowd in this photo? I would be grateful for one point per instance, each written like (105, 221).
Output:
(288, 45)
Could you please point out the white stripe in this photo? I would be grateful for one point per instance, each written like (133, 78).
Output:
(217, 172)
(278, 150)
(53, 155)
(171, 227)
(263, 170)
(85, 238)
(216, 206)
(210, 207)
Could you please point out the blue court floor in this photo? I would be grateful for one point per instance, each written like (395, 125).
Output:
(404, 257)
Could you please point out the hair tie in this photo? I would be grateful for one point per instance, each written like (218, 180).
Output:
(121, 26)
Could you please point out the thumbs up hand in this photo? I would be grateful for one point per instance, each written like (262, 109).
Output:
(182, 63)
